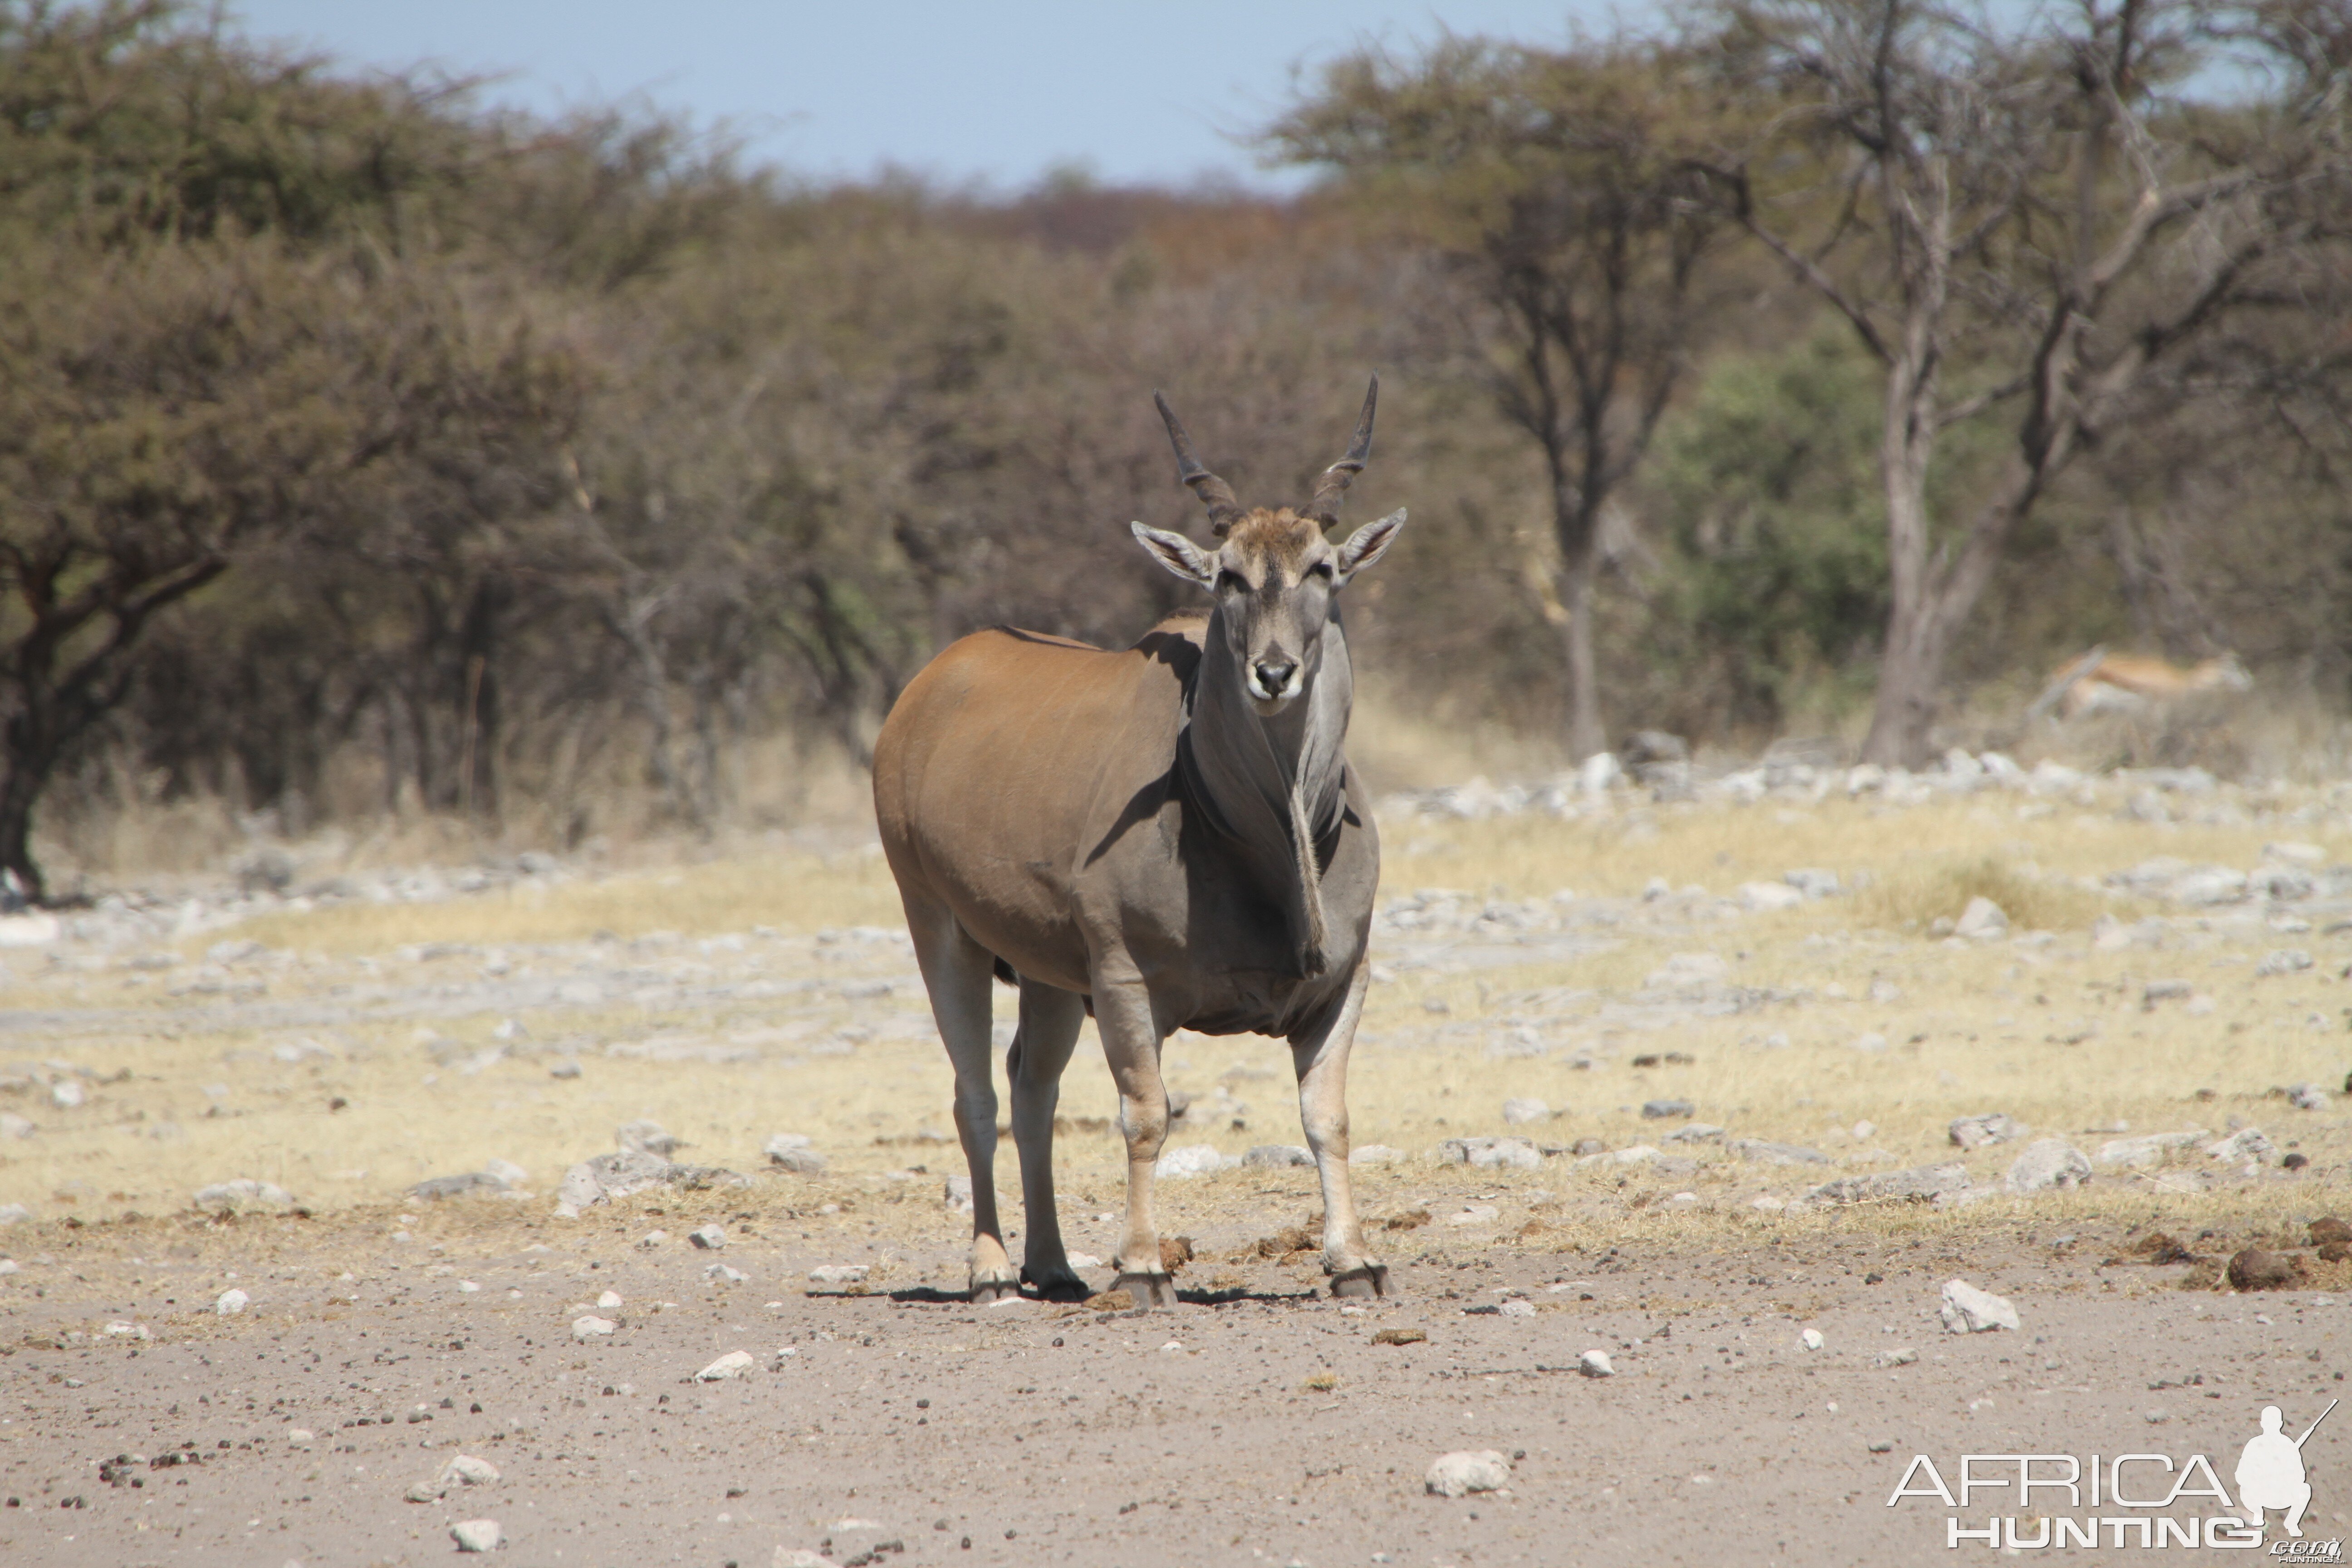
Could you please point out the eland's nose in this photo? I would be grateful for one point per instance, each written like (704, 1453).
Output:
(1274, 675)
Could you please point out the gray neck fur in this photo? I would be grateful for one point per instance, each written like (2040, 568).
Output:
(1277, 783)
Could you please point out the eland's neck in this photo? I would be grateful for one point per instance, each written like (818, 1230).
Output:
(1274, 782)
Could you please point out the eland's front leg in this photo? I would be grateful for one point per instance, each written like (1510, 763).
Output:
(1321, 1055)
(1131, 1036)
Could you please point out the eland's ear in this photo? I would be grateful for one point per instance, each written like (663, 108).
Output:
(1369, 543)
(1178, 553)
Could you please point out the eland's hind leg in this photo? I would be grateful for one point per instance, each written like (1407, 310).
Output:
(957, 972)
(1050, 1020)
(1321, 1055)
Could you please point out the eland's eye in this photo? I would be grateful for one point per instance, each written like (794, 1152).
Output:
(1321, 569)
(1231, 582)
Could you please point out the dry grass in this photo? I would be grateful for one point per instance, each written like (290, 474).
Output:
(2055, 1036)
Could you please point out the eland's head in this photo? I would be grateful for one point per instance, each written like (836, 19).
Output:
(1275, 577)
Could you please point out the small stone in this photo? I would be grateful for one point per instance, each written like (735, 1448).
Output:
(1695, 1133)
(708, 1238)
(1813, 1339)
(1812, 883)
(467, 1470)
(1192, 1160)
(1595, 1364)
(1661, 1110)
(653, 1238)
(2247, 1143)
(2049, 1163)
(2328, 1228)
(1769, 1153)
(1969, 1311)
(68, 1093)
(437, 1187)
(734, 1364)
(14, 1126)
(802, 1557)
(1764, 898)
(1920, 1182)
(1903, 1356)
(1491, 1153)
(1982, 920)
(14, 1214)
(592, 1328)
(793, 1151)
(1375, 1154)
(1515, 1308)
(301, 1437)
(506, 1171)
(2150, 1149)
(244, 1196)
(1520, 1110)
(2284, 961)
(1401, 1336)
(956, 1194)
(1278, 1157)
(566, 1066)
(2306, 1097)
(231, 1303)
(1989, 1127)
(645, 1136)
(1464, 1473)
(838, 1273)
(609, 1300)
(724, 1274)
(477, 1535)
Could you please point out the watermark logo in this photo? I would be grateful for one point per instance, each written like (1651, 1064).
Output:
(2127, 1500)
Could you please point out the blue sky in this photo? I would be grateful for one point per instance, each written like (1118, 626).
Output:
(996, 92)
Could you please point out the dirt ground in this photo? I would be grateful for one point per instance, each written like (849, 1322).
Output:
(344, 1042)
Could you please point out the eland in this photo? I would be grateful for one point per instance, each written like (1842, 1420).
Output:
(1164, 836)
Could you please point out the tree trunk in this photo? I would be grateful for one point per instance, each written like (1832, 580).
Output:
(1586, 735)
(1911, 670)
(18, 791)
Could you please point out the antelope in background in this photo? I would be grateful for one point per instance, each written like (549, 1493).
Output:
(2104, 682)
(1165, 836)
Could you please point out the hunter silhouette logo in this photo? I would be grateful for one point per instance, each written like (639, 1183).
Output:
(2269, 1472)
(2146, 1501)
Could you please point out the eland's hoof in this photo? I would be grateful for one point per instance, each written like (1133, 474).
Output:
(1059, 1287)
(1149, 1289)
(1372, 1279)
(985, 1291)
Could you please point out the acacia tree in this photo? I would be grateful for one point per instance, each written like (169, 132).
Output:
(2025, 225)
(1558, 184)
(158, 413)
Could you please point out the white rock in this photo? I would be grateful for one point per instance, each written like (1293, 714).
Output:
(1475, 1213)
(477, 1535)
(1462, 1473)
(1982, 920)
(231, 1303)
(1600, 770)
(709, 1238)
(301, 1437)
(2150, 1149)
(1681, 968)
(467, 1470)
(1763, 898)
(66, 1094)
(129, 1332)
(1520, 1110)
(1491, 1153)
(586, 1328)
(799, 1557)
(957, 1195)
(724, 1274)
(653, 1238)
(609, 1300)
(1812, 883)
(29, 929)
(838, 1273)
(2286, 961)
(14, 1126)
(506, 1171)
(1595, 1364)
(645, 1136)
(1990, 1127)
(1812, 1338)
(2247, 1143)
(1192, 1160)
(2047, 1164)
(734, 1364)
(793, 1151)
(14, 1214)
(1278, 1156)
(243, 1194)
(1969, 1311)
(1375, 1154)
(1515, 1308)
